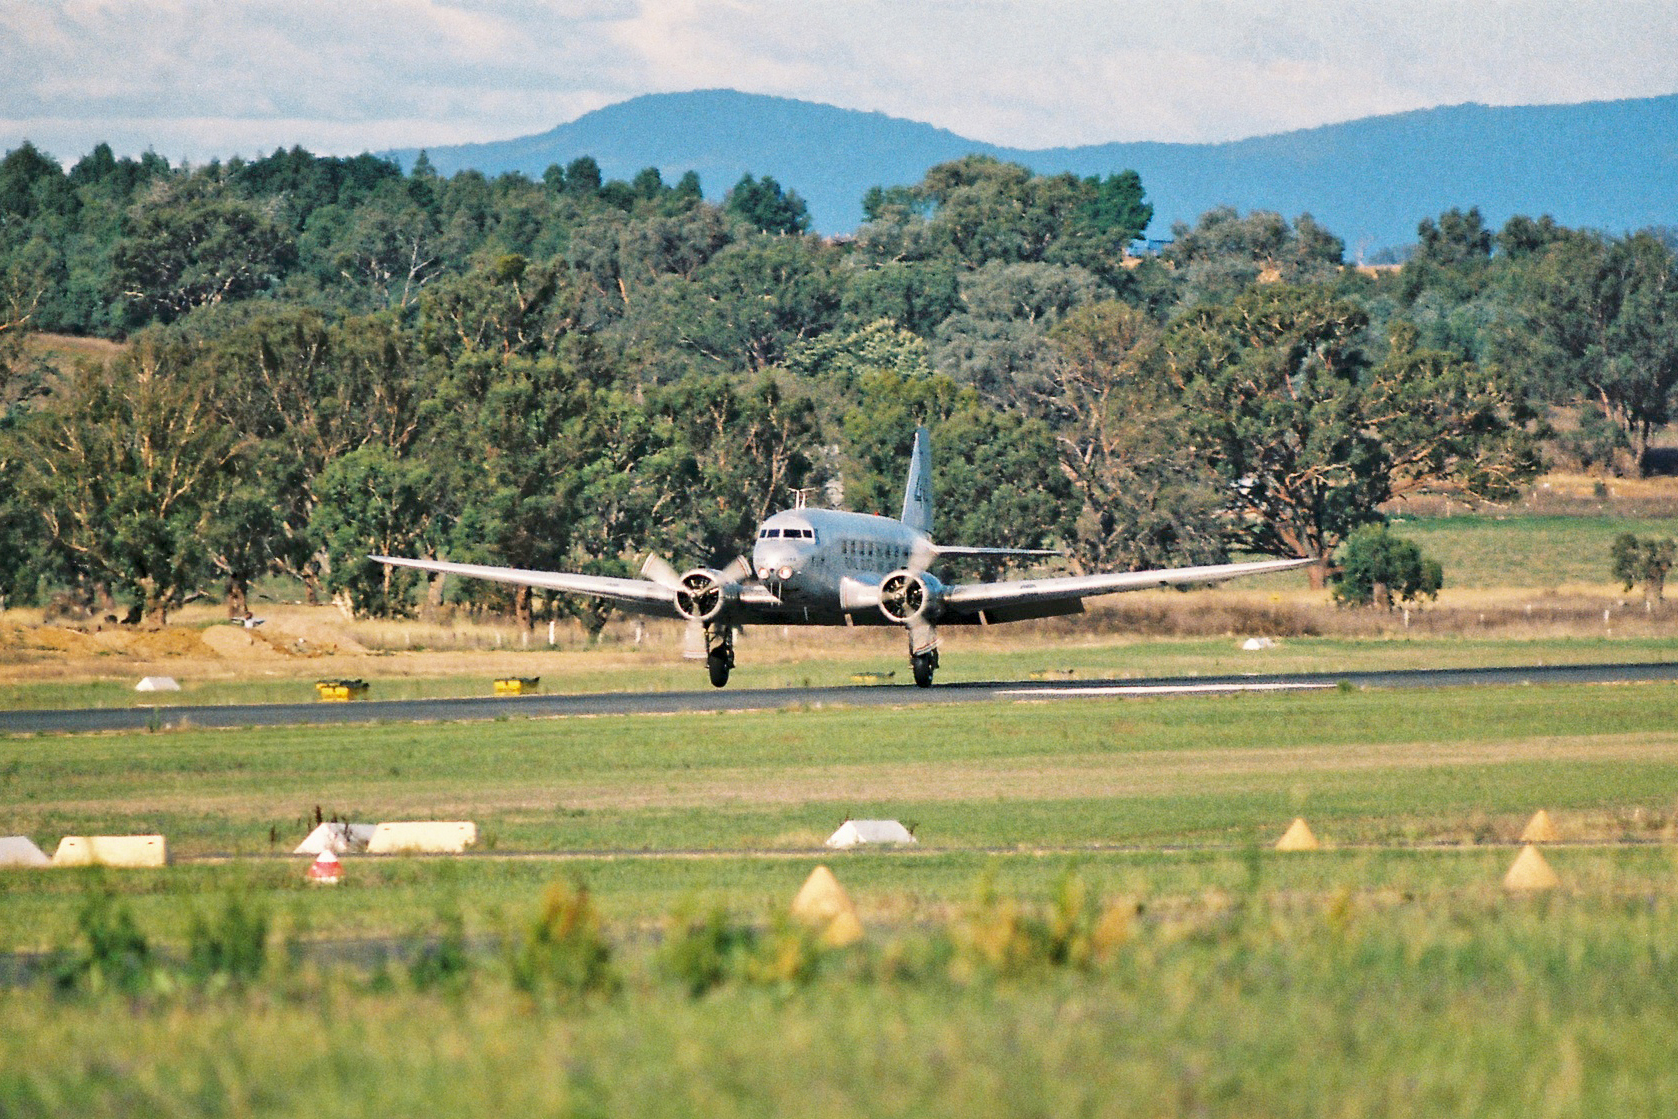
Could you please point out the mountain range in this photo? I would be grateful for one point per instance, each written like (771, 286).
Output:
(1609, 165)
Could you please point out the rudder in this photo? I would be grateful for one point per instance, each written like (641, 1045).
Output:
(917, 493)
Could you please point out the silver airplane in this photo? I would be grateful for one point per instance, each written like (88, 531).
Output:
(827, 567)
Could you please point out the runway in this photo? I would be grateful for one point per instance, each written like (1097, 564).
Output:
(86, 720)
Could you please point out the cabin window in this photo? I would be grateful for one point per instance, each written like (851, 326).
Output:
(772, 533)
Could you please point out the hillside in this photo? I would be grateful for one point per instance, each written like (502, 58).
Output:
(1369, 180)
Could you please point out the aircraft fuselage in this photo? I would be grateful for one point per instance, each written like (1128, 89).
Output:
(825, 565)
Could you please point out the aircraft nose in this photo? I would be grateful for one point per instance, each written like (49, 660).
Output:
(776, 562)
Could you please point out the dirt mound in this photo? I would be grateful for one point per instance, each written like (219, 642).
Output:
(169, 642)
(57, 639)
(237, 643)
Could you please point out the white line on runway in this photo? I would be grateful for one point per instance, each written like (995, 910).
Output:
(1165, 689)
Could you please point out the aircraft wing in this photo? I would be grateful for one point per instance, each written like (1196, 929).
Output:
(641, 595)
(1036, 595)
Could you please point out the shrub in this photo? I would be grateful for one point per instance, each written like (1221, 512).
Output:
(442, 960)
(708, 952)
(1383, 570)
(564, 951)
(705, 952)
(1002, 939)
(231, 948)
(113, 954)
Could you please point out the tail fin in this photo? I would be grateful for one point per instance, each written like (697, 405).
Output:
(917, 494)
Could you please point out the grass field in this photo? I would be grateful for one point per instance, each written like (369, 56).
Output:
(1197, 972)
(1484, 550)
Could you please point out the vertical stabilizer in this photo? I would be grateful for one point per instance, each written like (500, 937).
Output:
(917, 494)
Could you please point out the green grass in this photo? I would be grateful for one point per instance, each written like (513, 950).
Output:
(1488, 550)
(1365, 766)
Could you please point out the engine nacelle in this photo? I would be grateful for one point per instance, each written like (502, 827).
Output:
(910, 596)
(704, 594)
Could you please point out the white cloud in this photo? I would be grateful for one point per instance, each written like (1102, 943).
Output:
(196, 78)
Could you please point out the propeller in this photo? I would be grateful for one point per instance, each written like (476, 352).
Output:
(702, 596)
(658, 569)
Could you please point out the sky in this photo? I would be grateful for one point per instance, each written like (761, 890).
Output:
(200, 79)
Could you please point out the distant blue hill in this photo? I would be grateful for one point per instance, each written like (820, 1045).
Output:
(1610, 165)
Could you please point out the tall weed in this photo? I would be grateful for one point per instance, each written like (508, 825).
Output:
(231, 948)
(113, 954)
(563, 952)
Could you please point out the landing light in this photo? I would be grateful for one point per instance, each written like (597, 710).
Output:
(785, 572)
(763, 573)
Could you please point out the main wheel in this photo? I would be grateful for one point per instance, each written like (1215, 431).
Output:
(923, 665)
(719, 666)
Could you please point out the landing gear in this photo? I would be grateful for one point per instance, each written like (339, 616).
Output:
(924, 664)
(719, 653)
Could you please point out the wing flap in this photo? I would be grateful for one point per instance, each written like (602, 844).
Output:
(641, 594)
(971, 597)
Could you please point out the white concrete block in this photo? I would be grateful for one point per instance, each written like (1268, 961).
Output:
(855, 833)
(158, 684)
(423, 837)
(111, 850)
(20, 850)
(339, 838)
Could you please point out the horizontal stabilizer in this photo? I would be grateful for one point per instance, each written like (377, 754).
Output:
(959, 550)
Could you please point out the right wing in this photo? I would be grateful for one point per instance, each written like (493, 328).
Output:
(641, 595)
(1026, 596)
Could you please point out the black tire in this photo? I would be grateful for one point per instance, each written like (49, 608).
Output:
(923, 671)
(719, 666)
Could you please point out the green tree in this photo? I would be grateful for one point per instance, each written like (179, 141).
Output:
(128, 468)
(1596, 323)
(1224, 253)
(1272, 386)
(514, 438)
(1648, 562)
(1442, 419)
(978, 210)
(1308, 440)
(1148, 498)
(997, 342)
(766, 208)
(917, 295)
(1382, 570)
(739, 455)
(999, 484)
(194, 243)
(389, 249)
(310, 391)
(373, 502)
(747, 308)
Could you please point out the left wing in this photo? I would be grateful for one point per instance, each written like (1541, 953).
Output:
(641, 595)
(1028, 597)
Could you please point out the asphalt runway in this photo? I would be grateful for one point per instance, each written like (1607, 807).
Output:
(85, 720)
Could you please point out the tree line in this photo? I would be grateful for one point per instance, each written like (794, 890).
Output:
(327, 357)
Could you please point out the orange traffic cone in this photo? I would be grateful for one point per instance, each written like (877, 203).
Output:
(326, 870)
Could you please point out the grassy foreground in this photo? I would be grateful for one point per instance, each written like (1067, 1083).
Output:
(1093, 924)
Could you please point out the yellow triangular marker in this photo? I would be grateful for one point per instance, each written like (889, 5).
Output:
(845, 929)
(1298, 837)
(1539, 829)
(1530, 872)
(823, 904)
